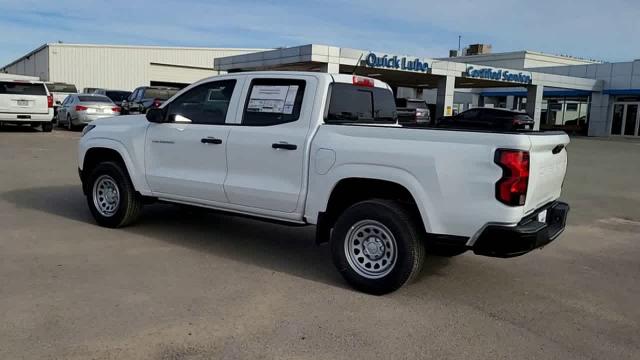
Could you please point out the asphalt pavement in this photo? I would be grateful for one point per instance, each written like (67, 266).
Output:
(185, 284)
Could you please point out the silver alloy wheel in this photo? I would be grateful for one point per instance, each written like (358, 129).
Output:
(371, 249)
(106, 196)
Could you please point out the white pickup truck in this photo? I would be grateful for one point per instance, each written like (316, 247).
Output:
(326, 150)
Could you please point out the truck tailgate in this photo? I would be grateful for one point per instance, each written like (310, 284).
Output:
(548, 166)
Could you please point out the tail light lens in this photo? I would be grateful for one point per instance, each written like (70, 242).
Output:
(157, 103)
(115, 109)
(511, 189)
(49, 101)
(81, 108)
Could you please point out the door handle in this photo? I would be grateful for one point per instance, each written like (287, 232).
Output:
(284, 146)
(211, 140)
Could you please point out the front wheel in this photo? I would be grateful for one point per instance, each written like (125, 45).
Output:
(111, 197)
(377, 246)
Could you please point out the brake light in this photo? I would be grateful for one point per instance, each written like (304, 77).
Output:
(115, 109)
(511, 189)
(362, 81)
(81, 108)
(156, 103)
(49, 101)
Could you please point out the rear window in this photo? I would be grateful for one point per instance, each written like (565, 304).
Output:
(351, 103)
(17, 88)
(160, 94)
(118, 95)
(60, 87)
(95, 98)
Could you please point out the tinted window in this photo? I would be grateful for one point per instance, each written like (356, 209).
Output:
(273, 101)
(160, 94)
(118, 95)
(204, 104)
(17, 88)
(469, 114)
(95, 98)
(350, 103)
(61, 87)
(416, 104)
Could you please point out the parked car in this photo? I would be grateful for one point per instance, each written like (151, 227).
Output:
(117, 96)
(413, 112)
(26, 102)
(320, 149)
(81, 109)
(147, 97)
(489, 119)
(60, 91)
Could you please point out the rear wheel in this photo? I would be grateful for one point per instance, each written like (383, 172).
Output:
(111, 196)
(47, 127)
(70, 126)
(377, 246)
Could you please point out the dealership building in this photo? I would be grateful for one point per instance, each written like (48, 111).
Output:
(578, 95)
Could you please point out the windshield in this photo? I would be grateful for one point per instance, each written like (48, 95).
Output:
(101, 99)
(19, 88)
(61, 87)
(160, 94)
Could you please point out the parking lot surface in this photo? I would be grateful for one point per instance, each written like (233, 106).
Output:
(185, 284)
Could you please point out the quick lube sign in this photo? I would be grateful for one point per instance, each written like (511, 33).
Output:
(396, 63)
(498, 75)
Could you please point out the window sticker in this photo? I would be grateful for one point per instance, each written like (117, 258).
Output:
(273, 99)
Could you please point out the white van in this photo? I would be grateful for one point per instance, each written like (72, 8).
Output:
(26, 102)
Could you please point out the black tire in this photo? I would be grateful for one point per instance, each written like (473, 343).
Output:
(130, 203)
(402, 225)
(70, 126)
(47, 127)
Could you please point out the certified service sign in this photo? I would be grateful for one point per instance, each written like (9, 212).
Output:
(396, 63)
(498, 75)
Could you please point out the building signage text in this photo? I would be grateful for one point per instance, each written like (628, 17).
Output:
(498, 75)
(398, 63)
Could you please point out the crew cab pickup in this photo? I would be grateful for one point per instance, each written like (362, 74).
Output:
(325, 149)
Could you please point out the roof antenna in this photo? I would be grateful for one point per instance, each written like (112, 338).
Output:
(357, 64)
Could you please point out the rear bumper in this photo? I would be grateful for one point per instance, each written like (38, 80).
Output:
(87, 118)
(510, 241)
(26, 117)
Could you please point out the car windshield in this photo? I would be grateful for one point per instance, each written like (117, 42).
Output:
(94, 98)
(416, 104)
(118, 95)
(20, 88)
(160, 94)
(61, 87)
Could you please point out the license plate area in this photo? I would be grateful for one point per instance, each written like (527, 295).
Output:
(23, 102)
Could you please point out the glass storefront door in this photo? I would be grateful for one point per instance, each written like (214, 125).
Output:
(626, 119)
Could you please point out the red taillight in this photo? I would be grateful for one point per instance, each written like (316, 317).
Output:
(49, 101)
(511, 189)
(115, 109)
(362, 81)
(81, 108)
(157, 103)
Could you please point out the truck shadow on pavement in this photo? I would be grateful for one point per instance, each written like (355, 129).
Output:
(277, 247)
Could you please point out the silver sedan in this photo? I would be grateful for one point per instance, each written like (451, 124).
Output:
(80, 109)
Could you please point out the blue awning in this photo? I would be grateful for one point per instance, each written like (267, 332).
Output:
(547, 93)
(621, 92)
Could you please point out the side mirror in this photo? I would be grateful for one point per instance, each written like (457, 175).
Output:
(156, 115)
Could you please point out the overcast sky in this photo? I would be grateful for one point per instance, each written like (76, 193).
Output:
(598, 29)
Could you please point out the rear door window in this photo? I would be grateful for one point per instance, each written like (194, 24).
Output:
(18, 88)
(357, 104)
